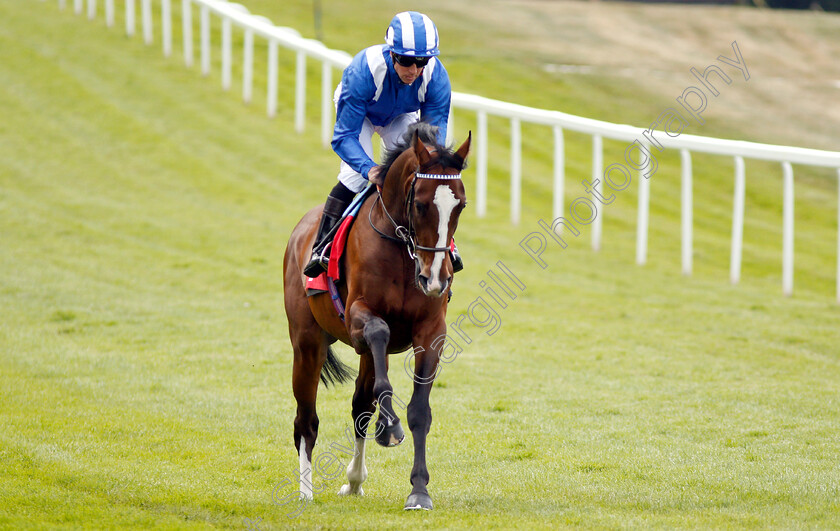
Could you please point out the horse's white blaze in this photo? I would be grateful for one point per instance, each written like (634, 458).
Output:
(356, 471)
(305, 472)
(445, 201)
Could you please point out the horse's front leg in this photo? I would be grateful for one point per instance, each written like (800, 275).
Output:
(420, 414)
(371, 333)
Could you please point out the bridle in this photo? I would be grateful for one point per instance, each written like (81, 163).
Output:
(407, 234)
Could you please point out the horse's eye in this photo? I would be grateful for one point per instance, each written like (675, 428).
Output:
(421, 207)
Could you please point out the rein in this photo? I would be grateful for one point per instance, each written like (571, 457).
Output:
(406, 234)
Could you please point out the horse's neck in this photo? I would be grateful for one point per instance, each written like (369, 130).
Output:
(393, 196)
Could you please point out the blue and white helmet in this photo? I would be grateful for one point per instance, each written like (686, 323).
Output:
(414, 34)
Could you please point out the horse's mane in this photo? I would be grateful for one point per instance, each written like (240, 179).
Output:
(428, 135)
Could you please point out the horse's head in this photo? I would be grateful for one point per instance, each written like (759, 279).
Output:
(425, 179)
(436, 198)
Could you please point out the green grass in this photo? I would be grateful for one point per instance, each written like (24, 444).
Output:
(145, 367)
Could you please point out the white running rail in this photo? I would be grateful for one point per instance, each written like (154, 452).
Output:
(232, 14)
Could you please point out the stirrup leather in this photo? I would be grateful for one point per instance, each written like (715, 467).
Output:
(330, 221)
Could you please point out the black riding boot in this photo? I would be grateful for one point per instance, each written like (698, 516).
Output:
(335, 206)
(455, 256)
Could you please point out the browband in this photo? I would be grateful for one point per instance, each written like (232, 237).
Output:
(437, 176)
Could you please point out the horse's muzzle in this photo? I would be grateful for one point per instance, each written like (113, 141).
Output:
(433, 288)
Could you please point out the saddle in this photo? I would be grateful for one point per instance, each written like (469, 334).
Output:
(332, 275)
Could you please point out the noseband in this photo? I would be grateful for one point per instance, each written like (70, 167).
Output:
(407, 234)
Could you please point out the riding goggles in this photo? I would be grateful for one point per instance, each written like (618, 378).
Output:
(407, 60)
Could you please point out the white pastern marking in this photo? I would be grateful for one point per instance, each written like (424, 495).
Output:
(305, 472)
(446, 202)
(356, 471)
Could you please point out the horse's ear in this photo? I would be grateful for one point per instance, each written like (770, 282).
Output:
(420, 150)
(464, 150)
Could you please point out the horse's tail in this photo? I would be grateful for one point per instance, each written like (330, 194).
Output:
(335, 371)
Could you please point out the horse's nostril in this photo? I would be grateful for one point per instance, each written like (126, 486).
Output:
(424, 280)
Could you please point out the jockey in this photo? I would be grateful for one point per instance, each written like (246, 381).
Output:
(382, 91)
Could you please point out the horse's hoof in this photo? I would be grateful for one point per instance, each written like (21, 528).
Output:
(418, 500)
(389, 436)
(347, 490)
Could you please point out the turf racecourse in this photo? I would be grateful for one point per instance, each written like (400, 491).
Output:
(146, 369)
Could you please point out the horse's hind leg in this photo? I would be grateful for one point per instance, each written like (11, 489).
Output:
(363, 409)
(310, 350)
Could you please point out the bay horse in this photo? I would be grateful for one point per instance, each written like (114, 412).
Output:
(396, 283)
